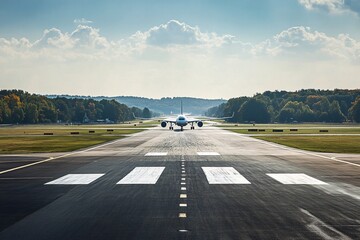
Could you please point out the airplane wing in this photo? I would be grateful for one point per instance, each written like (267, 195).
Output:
(193, 120)
(169, 120)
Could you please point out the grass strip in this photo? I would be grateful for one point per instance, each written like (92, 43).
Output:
(331, 144)
(299, 130)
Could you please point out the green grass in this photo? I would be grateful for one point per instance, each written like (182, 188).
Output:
(37, 144)
(31, 139)
(345, 130)
(288, 126)
(332, 144)
(63, 130)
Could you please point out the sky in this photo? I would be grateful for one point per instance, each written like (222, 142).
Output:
(203, 48)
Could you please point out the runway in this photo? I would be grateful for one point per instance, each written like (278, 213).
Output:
(206, 183)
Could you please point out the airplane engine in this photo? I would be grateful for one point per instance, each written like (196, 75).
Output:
(200, 124)
(163, 124)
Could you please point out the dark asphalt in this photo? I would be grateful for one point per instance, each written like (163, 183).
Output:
(264, 209)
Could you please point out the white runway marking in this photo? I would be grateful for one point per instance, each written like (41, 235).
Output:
(142, 175)
(182, 215)
(182, 205)
(183, 195)
(156, 154)
(224, 175)
(183, 188)
(295, 178)
(208, 154)
(74, 179)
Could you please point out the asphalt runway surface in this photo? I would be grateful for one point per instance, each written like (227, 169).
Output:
(197, 184)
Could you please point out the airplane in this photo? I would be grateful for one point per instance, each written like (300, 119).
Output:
(182, 120)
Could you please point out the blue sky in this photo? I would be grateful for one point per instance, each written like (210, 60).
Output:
(269, 36)
(252, 20)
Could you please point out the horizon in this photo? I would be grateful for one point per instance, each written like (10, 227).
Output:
(172, 97)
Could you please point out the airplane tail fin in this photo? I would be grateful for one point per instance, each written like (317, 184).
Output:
(181, 108)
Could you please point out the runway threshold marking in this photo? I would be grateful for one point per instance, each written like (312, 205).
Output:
(143, 175)
(224, 175)
(156, 154)
(75, 179)
(62, 156)
(295, 178)
(208, 153)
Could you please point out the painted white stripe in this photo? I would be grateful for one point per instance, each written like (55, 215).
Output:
(295, 178)
(183, 188)
(208, 154)
(74, 179)
(183, 205)
(156, 154)
(183, 195)
(224, 175)
(182, 215)
(142, 175)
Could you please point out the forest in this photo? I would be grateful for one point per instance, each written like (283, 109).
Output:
(17, 107)
(307, 105)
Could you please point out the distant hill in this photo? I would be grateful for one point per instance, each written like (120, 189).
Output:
(195, 106)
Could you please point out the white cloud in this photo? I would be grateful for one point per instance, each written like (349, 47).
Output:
(53, 38)
(178, 33)
(332, 6)
(175, 38)
(88, 37)
(82, 21)
(302, 41)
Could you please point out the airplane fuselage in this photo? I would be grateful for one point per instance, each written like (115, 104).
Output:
(181, 121)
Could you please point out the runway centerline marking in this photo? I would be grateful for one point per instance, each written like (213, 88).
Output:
(208, 154)
(75, 179)
(224, 175)
(295, 178)
(143, 175)
(182, 215)
(156, 154)
(182, 205)
(183, 189)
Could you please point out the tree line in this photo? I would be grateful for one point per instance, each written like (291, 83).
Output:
(17, 106)
(307, 105)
